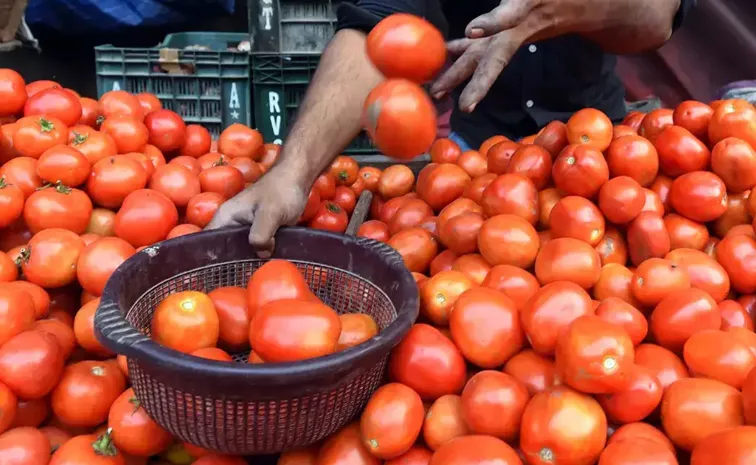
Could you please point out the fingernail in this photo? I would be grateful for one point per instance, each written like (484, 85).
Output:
(475, 33)
(471, 108)
(439, 95)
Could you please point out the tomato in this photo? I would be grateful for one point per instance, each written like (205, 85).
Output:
(35, 134)
(456, 208)
(578, 218)
(536, 373)
(186, 321)
(613, 247)
(95, 145)
(444, 421)
(621, 199)
(595, 356)
(499, 156)
(637, 400)
(101, 222)
(699, 195)
(493, 403)
(444, 151)
(330, 217)
(738, 214)
(681, 314)
(63, 164)
(128, 133)
(715, 354)
(734, 315)
(345, 199)
(474, 266)
(62, 332)
(346, 448)
(635, 157)
(428, 362)
(511, 194)
(31, 364)
(705, 273)
(680, 152)
(734, 118)
(694, 408)
(441, 291)
(621, 313)
(647, 237)
(12, 92)
(250, 170)
(17, 312)
(56, 436)
(312, 205)
(734, 161)
(99, 260)
(553, 308)
(695, 117)
(546, 440)
(8, 268)
(508, 240)
(155, 155)
(120, 103)
(475, 189)
(183, 230)
(223, 179)
(149, 102)
(416, 246)
(487, 144)
(268, 155)
(460, 233)
(83, 327)
(344, 169)
(374, 229)
(663, 364)
(167, 130)
(356, 328)
(91, 449)
(133, 431)
(580, 170)
(143, 160)
(533, 162)
(568, 259)
(733, 446)
(400, 118)
(475, 449)
(643, 432)
(56, 103)
(112, 179)
(656, 278)
(303, 456)
(737, 255)
(94, 384)
(176, 182)
(621, 130)
(590, 127)
(655, 122)
(58, 207)
(233, 318)
(370, 177)
(443, 262)
(202, 207)
(473, 163)
(24, 446)
(50, 258)
(685, 233)
(196, 142)
(11, 203)
(553, 138)
(637, 451)
(384, 433)
(395, 181)
(146, 217)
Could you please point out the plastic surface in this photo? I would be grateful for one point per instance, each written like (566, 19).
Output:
(279, 84)
(243, 409)
(286, 26)
(208, 87)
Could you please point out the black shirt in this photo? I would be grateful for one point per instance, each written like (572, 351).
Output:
(545, 81)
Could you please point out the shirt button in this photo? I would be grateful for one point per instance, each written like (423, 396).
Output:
(529, 103)
(532, 48)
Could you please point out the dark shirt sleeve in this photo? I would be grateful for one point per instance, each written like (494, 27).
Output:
(682, 12)
(363, 15)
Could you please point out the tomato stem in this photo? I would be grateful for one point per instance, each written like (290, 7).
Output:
(62, 188)
(221, 161)
(3, 184)
(103, 445)
(45, 125)
(333, 207)
(100, 119)
(135, 402)
(23, 255)
(79, 138)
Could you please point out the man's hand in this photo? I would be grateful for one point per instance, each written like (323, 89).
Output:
(275, 200)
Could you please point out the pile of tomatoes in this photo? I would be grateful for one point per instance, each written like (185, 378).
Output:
(84, 185)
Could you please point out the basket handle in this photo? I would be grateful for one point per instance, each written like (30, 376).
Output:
(360, 213)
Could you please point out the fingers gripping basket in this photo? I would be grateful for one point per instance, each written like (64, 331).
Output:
(243, 409)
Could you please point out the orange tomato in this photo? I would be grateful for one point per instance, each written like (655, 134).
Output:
(186, 321)
(385, 433)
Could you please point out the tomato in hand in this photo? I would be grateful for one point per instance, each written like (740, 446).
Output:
(391, 421)
(330, 217)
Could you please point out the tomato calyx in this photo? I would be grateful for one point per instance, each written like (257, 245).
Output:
(332, 207)
(135, 402)
(3, 184)
(23, 255)
(342, 176)
(79, 139)
(221, 161)
(100, 119)
(58, 187)
(45, 125)
(104, 446)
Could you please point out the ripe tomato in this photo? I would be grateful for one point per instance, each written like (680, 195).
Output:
(655, 122)
(474, 190)
(699, 195)
(578, 218)
(95, 145)
(468, 450)
(31, 364)
(474, 266)
(595, 356)
(120, 103)
(370, 177)
(717, 355)
(416, 246)
(133, 431)
(442, 262)
(223, 179)
(580, 170)
(167, 130)
(656, 278)
(705, 273)
(536, 373)
(24, 446)
(94, 449)
(330, 217)
(654, 202)
(186, 321)
(428, 362)
(738, 214)
(303, 456)
(444, 421)
(439, 185)
(183, 230)
(734, 315)
(112, 179)
(202, 207)
(408, 47)
(590, 127)
(291, 330)
(192, 164)
(733, 446)
(11, 203)
(568, 259)
(511, 194)
(269, 155)
(239, 140)
(533, 162)
(640, 450)
(50, 258)
(344, 169)
(694, 408)
(485, 326)
(250, 170)
(621, 199)
(637, 400)
(58, 207)
(101, 222)
(439, 294)
(35, 134)
(661, 187)
(176, 182)
(233, 318)
(346, 447)
(553, 138)
(129, 134)
(400, 118)
(695, 117)
(621, 130)
(99, 260)
(62, 332)
(56, 103)
(146, 217)
(544, 440)
(149, 102)
(384, 433)
(8, 268)
(460, 233)
(680, 152)
(681, 314)
(643, 432)
(17, 312)
(63, 164)
(633, 156)
(473, 163)
(346, 199)
(493, 403)
(737, 255)
(374, 229)
(94, 384)
(395, 181)
(356, 328)
(647, 237)
(663, 364)
(12, 93)
(197, 141)
(685, 233)
(621, 313)
(83, 326)
(155, 155)
(508, 240)
(734, 161)
(444, 151)
(276, 280)
(734, 118)
(517, 284)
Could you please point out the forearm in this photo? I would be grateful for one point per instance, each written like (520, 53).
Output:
(329, 117)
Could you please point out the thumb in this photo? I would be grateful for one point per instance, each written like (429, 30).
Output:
(264, 226)
(505, 16)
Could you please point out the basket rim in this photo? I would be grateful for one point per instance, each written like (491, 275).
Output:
(117, 334)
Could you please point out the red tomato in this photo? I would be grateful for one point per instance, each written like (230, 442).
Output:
(223, 179)
(146, 217)
(616, 311)
(186, 321)
(99, 260)
(400, 118)
(128, 133)
(35, 134)
(91, 449)
(705, 273)
(439, 185)
(733, 446)
(11, 202)
(58, 207)
(476, 165)
(120, 103)
(621, 199)
(31, 364)
(717, 355)
(511, 194)
(345, 199)
(330, 217)
(578, 218)
(202, 207)
(24, 446)
(239, 140)
(63, 164)
(374, 229)
(493, 403)
(680, 152)
(444, 151)
(94, 146)
(553, 137)
(416, 246)
(568, 259)
(50, 257)
(167, 130)
(396, 181)
(112, 179)
(643, 432)
(149, 102)
(276, 279)
(737, 255)
(385, 434)
(635, 157)
(13, 93)
(640, 450)
(655, 122)
(699, 195)
(250, 170)
(637, 400)
(681, 314)
(474, 449)
(196, 141)
(346, 447)
(54, 102)
(500, 154)
(590, 127)
(133, 431)
(177, 182)
(444, 421)
(695, 117)
(580, 170)
(95, 384)
(734, 161)
(647, 237)
(733, 118)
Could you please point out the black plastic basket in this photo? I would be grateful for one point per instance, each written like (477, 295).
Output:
(243, 409)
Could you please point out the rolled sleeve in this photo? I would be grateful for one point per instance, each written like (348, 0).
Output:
(363, 15)
(682, 12)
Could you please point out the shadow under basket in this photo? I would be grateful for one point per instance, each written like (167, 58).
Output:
(243, 409)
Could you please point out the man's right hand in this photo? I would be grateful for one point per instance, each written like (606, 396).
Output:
(277, 199)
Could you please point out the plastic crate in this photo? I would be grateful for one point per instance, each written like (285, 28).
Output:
(279, 84)
(285, 26)
(208, 87)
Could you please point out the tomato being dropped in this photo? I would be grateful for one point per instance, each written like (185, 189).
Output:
(58, 206)
(590, 127)
(330, 217)
(167, 130)
(146, 217)
(186, 321)
(400, 118)
(57, 103)
(35, 134)
(493, 403)
(128, 133)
